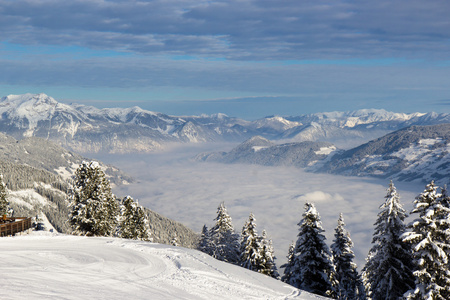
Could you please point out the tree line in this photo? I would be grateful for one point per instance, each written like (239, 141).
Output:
(249, 250)
(406, 261)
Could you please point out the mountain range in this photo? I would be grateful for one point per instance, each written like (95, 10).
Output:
(86, 129)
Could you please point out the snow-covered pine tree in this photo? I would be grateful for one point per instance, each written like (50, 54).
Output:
(250, 245)
(289, 264)
(134, 222)
(311, 268)
(224, 241)
(205, 243)
(445, 198)
(429, 236)
(94, 209)
(267, 257)
(347, 276)
(4, 204)
(388, 270)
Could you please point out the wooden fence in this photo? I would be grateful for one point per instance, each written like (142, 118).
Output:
(11, 226)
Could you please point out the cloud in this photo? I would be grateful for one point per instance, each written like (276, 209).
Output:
(319, 196)
(241, 30)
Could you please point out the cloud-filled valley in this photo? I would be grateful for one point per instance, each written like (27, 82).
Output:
(190, 192)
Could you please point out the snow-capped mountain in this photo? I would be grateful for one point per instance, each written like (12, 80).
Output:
(415, 153)
(85, 129)
(261, 151)
(45, 266)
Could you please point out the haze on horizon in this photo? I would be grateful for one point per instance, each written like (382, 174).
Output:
(245, 58)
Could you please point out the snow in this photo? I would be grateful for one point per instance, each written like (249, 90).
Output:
(258, 148)
(325, 150)
(27, 198)
(42, 265)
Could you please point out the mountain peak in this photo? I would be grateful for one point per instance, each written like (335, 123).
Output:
(34, 98)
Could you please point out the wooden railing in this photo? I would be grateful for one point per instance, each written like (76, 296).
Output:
(11, 226)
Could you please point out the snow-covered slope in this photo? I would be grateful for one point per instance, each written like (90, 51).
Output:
(44, 266)
(122, 130)
(261, 151)
(416, 153)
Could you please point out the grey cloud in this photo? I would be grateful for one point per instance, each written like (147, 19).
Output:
(329, 83)
(255, 30)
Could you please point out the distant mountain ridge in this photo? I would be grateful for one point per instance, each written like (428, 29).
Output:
(261, 151)
(86, 129)
(415, 153)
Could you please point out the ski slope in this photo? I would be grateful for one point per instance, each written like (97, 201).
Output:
(43, 265)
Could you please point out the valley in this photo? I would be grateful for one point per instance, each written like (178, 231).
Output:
(190, 192)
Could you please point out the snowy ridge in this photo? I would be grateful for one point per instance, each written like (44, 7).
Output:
(416, 153)
(72, 267)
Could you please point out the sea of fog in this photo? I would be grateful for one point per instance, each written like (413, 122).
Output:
(174, 185)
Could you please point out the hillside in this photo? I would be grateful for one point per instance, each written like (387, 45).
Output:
(261, 151)
(36, 171)
(69, 267)
(36, 191)
(414, 153)
(44, 154)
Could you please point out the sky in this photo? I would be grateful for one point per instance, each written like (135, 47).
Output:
(244, 58)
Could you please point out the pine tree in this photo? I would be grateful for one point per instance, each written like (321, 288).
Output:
(388, 271)
(342, 255)
(4, 204)
(430, 238)
(94, 209)
(267, 258)
(289, 265)
(311, 268)
(134, 222)
(205, 243)
(250, 245)
(444, 198)
(224, 241)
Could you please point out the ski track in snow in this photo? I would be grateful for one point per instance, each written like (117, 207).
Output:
(49, 266)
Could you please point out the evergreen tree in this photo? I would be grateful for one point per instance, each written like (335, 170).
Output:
(310, 268)
(205, 243)
(224, 241)
(289, 265)
(134, 222)
(250, 245)
(4, 204)
(388, 271)
(342, 255)
(430, 238)
(444, 197)
(94, 209)
(266, 263)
